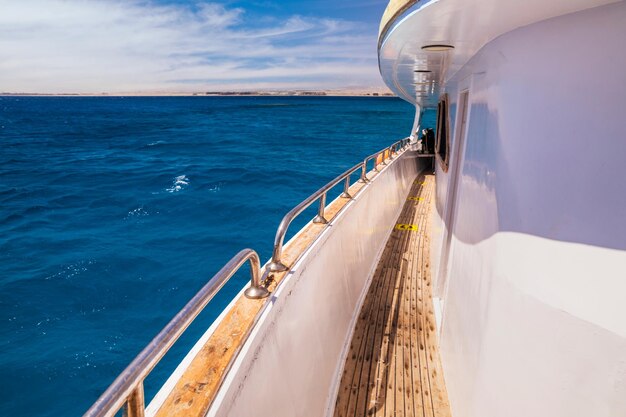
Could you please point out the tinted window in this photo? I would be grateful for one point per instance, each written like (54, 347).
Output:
(443, 142)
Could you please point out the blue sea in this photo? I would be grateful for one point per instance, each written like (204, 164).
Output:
(114, 211)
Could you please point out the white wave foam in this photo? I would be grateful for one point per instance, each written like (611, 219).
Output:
(178, 184)
(70, 271)
(137, 213)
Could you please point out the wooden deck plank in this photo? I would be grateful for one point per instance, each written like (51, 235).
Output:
(373, 402)
(381, 341)
(361, 358)
(357, 403)
(416, 392)
(413, 391)
(393, 367)
(422, 314)
(414, 406)
(390, 377)
(403, 380)
(392, 336)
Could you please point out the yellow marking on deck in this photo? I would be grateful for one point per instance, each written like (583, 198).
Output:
(407, 227)
(415, 198)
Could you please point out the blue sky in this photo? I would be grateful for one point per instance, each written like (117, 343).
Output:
(117, 46)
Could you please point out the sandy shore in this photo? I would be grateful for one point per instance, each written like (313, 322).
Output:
(286, 93)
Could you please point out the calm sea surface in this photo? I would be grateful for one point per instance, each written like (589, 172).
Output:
(115, 211)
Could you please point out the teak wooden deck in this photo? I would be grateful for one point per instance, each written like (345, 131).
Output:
(393, 366)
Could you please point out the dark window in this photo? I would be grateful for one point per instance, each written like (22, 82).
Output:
(443, 139)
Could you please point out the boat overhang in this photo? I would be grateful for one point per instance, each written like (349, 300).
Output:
(418, 75)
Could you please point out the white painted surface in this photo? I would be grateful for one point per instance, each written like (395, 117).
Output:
(534, 310)
(291, 365)
(537, 334)
(466, 26)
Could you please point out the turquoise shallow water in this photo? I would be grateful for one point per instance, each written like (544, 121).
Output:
(115, 211)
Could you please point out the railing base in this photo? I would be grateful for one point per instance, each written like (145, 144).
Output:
(345, 195)
(256, 293)
(319, 219)
(277, 267)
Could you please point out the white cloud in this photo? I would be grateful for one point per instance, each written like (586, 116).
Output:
(112, 46)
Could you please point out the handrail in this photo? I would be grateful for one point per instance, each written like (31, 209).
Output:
(402, 143)
(366, 160)
(127, 389)
(276, 264)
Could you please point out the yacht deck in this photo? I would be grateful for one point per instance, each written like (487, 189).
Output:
(393, 366)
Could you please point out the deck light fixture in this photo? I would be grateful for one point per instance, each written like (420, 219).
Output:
(437, 47)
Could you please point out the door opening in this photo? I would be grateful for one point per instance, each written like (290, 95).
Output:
(454, 173)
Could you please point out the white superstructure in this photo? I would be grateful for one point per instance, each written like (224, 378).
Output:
(531, 214)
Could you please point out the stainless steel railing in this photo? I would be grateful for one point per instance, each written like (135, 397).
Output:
(374, 157)
(127, 389)
(276, 264)
(393, 148)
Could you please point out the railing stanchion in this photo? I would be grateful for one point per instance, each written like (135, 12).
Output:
(320, 211)
(363, 178)
(346, 188)
(276, 264)
(256, 290)
(134, 406)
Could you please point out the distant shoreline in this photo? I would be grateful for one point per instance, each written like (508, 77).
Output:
(214, 94)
